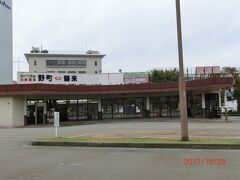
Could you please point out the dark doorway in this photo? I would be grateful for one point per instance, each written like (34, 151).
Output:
(31, 115)
(40, 115)
(212, 105)
(92, 111)
(62, 109)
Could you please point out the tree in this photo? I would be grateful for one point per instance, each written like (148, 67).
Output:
(233, 72)
(157, 76)
(236, 91)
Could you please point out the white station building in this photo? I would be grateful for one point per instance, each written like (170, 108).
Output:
(73, 69)
(44, 61)
(6, 45)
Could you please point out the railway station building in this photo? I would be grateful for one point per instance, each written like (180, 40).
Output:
(27, 104)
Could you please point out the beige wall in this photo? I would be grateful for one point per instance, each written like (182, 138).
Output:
(41, 64)
(6, 111)
(11, 112)
(18, 111)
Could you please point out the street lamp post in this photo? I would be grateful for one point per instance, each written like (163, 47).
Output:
(182, 84)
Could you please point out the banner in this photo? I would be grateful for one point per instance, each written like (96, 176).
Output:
(136, 78)
(84, 79)
(77, 79)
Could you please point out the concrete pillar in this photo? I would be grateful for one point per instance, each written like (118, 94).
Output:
(35, 114)
(225, 105)
(203, 105)
(147, 114)
(220, 104)
(25, 110)
(225, 98)
(25, 106)
(99, 108)
(45, 112)
(147, 103)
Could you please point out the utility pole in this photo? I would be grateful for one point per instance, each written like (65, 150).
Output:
(18, 63)
(182, 83)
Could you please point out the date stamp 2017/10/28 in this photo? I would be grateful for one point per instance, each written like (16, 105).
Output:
(204, 162)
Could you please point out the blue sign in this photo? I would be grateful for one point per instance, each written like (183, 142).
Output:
(229, 94)
(4, 4)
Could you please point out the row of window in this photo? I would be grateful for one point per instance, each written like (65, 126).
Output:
(78, 63)
(82, 63)
(73, 72)
(70, 72)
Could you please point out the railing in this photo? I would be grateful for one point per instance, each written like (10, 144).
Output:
(190, 73)
(191, 77)
(67, 52)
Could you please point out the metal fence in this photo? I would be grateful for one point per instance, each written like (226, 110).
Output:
(190, 73)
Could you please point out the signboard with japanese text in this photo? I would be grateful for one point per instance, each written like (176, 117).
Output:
(208, 70)
(86, 79)
(63, 78)
(135, 78)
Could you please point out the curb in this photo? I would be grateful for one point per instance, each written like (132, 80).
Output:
(138, 145)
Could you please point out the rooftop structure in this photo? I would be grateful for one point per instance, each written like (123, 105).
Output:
(44, 61)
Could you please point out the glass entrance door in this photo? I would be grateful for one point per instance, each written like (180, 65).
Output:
(82, 111)
(165, 106)
(212, 105)
(92, 111)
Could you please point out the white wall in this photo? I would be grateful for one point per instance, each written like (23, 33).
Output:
(11, 112)
(41, 64)
(6, 46)
(6, 112)
(18, 111)
(232, 105)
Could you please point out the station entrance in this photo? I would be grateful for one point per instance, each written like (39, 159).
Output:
(42, 111)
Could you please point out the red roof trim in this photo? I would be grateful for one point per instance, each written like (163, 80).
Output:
(44, 89)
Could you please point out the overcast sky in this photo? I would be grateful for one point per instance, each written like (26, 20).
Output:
(135, 35)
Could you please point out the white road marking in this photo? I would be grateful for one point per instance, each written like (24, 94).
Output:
(81, 135)
(13, 136)
(75, 164)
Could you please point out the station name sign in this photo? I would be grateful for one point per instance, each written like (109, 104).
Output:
(4, 4)
(84, 79)
(135, 78)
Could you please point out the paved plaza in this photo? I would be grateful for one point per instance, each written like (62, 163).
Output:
(21, 161)
(134, 128)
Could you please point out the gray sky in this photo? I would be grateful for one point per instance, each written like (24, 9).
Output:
(136, 35)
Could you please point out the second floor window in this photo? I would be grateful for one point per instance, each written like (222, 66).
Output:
(68, 63)
(35, 63)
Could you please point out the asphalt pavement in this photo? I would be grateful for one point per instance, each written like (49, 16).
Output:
(21, 161)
